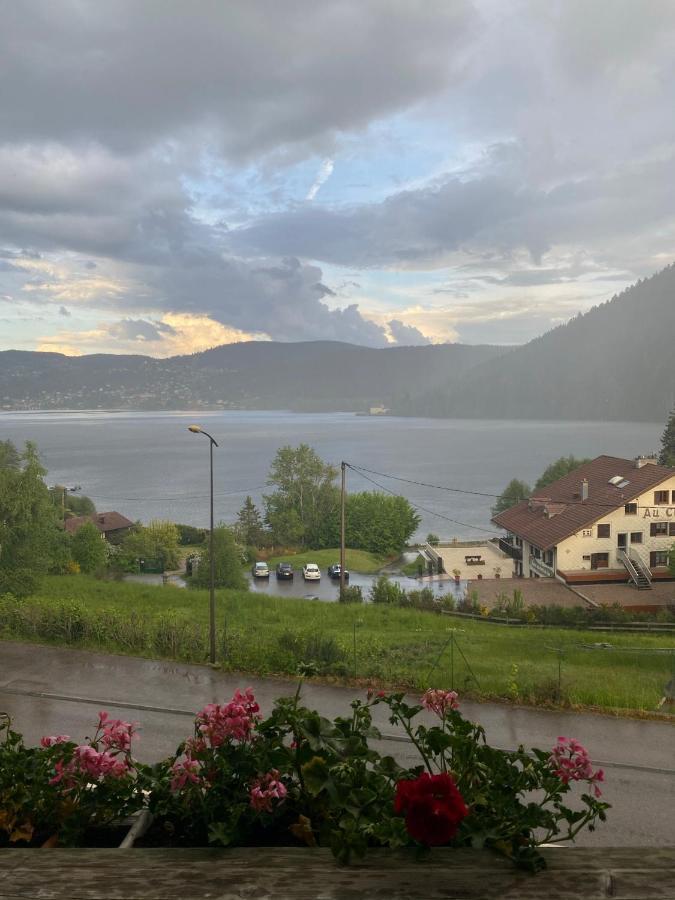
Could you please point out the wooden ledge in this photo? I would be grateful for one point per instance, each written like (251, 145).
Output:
(298, 874)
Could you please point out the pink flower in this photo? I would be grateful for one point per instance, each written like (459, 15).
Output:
(235, 720)
(91, 763)
(117, 734)
(266, 790)
(571, 762)
(184, 772)
(439, 702)
(54, 739)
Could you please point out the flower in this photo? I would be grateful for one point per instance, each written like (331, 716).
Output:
(88, 761)
(433, 808)
(217, 723)
(438, 701)
(265, 790)
(184, 772)
(570, 762)
(54, 739)
(117, 734)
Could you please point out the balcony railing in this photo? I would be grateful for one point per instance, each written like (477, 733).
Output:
(540, 568)
(510, 549)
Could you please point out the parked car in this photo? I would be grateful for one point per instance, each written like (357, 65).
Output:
(260, 570)
(334, 571)
(284, 571)
(311, 572)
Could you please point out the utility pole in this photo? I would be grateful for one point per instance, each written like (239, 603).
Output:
(343, 466)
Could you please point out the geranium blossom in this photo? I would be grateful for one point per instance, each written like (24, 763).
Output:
(571, 762)
(184, 772)
(86, 760)
(229, 721)
(433, 807)
(117, 734)
(266, 790)
(439, 702)
(54, 739)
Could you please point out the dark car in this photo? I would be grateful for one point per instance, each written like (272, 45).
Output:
(334, 571)
(284, 571)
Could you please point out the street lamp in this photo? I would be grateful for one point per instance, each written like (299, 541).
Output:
(197, 429)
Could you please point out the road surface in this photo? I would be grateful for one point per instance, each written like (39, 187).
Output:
(50, 690)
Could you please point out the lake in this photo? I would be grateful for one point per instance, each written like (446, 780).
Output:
(148, 465)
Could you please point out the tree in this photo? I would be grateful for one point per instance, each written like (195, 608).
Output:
(227, 558)
(249, 528)
(514, 492)
(28, 524)
(9, 456)
(559, 469)
(306, 497)
(157, 540)
(433, 539)
(89, 549)
(667, 455)
(380, 523)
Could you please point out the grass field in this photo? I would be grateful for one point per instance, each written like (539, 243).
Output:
(355, 560)
(387, 645)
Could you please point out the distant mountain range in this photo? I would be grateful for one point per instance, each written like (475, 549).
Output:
(309, 376)
(615, 362)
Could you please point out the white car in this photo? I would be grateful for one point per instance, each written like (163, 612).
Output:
(311, 572)
(260, 570)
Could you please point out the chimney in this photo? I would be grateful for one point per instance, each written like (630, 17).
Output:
(641, 461)
(584, 490)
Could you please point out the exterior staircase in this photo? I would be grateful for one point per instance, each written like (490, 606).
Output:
(637, 570)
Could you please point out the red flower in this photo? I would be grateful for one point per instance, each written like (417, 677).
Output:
(433, 808)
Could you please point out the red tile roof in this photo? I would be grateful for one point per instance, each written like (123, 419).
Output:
(105, 522)
(559, 512)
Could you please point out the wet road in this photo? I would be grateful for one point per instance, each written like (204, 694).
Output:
(50, 690)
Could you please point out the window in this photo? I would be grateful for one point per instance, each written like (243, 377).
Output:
(658, 558)
(599, 560)
(673, 498)
(587, 532)
(636, 537)
(603, 531)
(630, 509)
(671, 529)
(658, 529)
(661, 497)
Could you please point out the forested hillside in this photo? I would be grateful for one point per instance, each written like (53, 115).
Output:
(615, 362)
(310, 376)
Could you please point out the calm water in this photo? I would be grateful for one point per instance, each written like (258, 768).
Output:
(147, 465)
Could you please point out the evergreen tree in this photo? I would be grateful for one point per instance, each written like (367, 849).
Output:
(9, 456)
(514, 492)
(89, 549)
(667, 455)
(227, 557)
(249, 528)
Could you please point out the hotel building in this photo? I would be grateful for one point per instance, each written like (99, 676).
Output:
(610, 520)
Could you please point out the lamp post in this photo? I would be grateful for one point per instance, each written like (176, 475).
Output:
(197, 429)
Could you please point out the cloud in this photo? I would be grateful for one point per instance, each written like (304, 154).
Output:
(140, 330)
(64, 312)
(406, 335)
(324, 173)
(253, 77)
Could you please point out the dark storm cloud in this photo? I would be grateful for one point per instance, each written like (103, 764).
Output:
(497, 213)
(140, 330)
(257, 75)
(407, 335)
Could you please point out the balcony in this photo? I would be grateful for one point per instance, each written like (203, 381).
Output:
(510, 549)
(539, 567)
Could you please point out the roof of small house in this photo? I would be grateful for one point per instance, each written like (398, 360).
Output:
(105, 522)
(558, 511)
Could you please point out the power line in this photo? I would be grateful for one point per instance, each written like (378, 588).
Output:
(179, 497)
(441, 487)
(417, 506)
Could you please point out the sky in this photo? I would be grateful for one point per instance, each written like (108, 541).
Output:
(179, 175)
